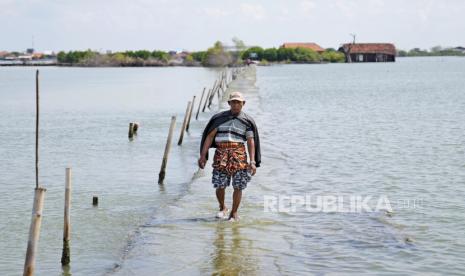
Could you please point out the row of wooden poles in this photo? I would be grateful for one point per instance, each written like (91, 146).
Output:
(219, 87)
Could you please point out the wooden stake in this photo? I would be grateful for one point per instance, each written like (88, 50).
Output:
(206, 100)
(34, 231)
(200, 104)
(212, 94)
(161, 175)
(95, 201)
(184, 123)
(190, 114)
(37, 129)
(135, 128)
(210, 100)
(65, 255)
(131, 131)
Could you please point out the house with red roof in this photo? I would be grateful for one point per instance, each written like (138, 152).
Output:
(369, 52)
(308, 45)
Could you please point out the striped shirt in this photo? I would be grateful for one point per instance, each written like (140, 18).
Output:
(234, 130)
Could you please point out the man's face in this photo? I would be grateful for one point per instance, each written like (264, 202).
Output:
(236, 106)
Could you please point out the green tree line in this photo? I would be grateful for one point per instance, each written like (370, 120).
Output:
(434, 51)
(217, 55)
(121, 58)
(298, 55)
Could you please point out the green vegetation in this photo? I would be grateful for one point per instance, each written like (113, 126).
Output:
(434, 51)
(217, 55)
(127, 58)
(296, 55)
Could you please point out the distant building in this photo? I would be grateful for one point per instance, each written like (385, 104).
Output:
(3, 54)
(49, 53)
(37, 55)
(459, 49)
(369, 52)
(25, 57)
(183, 54)
(30, 51)
(308, 45)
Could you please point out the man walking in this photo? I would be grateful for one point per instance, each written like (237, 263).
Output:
(227, 131)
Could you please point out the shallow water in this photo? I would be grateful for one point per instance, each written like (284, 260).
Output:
(392, 129)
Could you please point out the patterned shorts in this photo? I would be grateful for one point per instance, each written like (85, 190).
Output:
(239, 180)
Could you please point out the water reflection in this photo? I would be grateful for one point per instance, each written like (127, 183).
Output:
(66, 270)
(232, 253)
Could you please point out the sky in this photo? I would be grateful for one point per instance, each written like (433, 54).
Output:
(196, 24)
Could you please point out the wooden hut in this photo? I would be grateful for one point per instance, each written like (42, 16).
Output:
(369, 52)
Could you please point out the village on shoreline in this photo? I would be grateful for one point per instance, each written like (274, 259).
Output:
(221, 55)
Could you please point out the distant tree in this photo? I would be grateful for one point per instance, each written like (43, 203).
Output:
(160, 55)
(217, 56)
(436, 49)
(418, 52)
(120, 58)
(402, 53)
(255, 53)
(199, 56)
(77, 57)
(333, 56)
(239, 44)
(270, 54)
(142, 54)
(285, 54)
(61, 57)
(306, 55)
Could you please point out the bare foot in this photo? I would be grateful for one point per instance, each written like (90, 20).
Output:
(222, 213)
(233, 217)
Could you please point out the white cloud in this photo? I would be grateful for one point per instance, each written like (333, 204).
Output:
(425, 10)
(255, 11)
(172, 24)
(307, 6)
(215, 12)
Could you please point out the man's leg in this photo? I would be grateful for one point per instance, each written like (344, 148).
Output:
(237, 196)
(220, 197)
(239, 183)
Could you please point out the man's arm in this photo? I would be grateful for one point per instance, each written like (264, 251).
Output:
(251, 149)
(206, 146)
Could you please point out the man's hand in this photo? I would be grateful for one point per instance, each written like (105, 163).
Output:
(202, 161)
(252, 168)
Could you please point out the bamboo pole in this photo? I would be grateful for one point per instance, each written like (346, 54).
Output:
(206, 99)
(95, 201)
(212, 93)
(34, 231)
(38, 204)
(200, 104)
(135, 128)
(225, 81)
(184, 123)
(131, 131)
(161, 175)
(37, 129)
(219, 87)
(190, 114)
(65, 255)
(210, 99)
